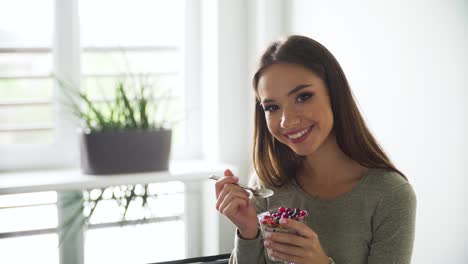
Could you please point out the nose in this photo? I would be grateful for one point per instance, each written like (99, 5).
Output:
(289, 119)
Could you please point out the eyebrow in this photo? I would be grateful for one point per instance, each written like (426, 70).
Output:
(293, 91)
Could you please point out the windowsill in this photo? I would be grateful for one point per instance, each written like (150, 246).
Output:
(74, 179)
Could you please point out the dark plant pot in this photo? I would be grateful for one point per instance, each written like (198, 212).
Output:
(116, 152)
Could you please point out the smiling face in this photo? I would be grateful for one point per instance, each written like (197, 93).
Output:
(297, 107)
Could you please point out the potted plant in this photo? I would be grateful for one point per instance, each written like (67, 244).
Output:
(121, 135)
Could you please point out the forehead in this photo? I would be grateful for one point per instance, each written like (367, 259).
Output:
(279, 79)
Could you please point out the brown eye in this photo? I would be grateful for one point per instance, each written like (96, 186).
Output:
(270, 108)
(304, 97)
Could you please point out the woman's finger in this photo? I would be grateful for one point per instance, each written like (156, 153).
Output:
(300, 228)
(228, 172)
(284, 248)
(286, 257)
(286, 239)
(231, 208)
(228, 195)
(219, 185)
(226, 189)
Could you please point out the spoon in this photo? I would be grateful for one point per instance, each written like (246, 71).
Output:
(261, 193)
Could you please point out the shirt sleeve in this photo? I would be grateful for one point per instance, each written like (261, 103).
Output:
(393, 226)
(248, 250)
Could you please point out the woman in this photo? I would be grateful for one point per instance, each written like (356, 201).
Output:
(312, 147)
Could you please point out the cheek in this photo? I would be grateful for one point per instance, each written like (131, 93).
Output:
(329, 117)
(270, 127)
(271, 124)
(327, 121)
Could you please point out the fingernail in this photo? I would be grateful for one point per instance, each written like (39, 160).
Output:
(266, 243)
(282, 221)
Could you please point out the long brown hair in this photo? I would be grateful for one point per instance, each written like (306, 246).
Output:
(274, 162)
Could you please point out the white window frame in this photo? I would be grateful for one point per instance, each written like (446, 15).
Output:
(66, 52)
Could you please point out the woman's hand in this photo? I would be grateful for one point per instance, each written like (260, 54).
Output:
(234, 203)
(301, 248)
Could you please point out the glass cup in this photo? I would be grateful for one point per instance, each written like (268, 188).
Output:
(264, 229)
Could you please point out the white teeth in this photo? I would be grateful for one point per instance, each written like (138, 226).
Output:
(298, 134)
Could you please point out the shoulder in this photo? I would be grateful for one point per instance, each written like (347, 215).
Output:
(385, 178)
(386, 182)
(393, 217)
(391, 189)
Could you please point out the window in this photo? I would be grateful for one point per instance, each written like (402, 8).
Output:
(153, 229)
(29, 221)
(135, 39)
(143, 37)
(26, 90)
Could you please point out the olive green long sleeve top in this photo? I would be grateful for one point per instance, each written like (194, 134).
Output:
(373, 223)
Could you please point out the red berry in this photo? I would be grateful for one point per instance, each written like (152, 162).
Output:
(303, 213)
(281, 209)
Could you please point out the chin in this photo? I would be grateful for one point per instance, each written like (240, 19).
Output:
(302, 152)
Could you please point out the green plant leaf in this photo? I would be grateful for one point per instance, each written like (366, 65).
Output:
(129, 113)
(133, 106)
(92, 107)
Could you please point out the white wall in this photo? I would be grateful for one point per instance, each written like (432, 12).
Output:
(225, 112)
(234, 33)
(407, 63)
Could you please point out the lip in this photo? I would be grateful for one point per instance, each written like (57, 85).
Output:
(301, 139)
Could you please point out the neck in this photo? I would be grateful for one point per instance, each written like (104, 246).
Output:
(329, 166)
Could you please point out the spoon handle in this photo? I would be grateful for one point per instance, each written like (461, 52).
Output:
(214, 177)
